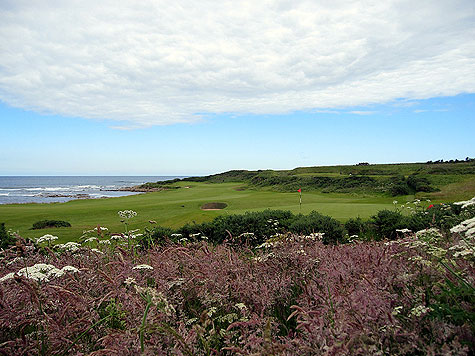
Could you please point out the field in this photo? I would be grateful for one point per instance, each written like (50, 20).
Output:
(175, 207)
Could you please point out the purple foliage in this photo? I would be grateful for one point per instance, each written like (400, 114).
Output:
(297, 298)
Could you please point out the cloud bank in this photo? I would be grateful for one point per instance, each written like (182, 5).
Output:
(162, 62)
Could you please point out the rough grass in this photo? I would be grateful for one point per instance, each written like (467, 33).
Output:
(298, 298)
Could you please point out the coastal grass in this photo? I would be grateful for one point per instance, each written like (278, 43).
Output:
(176, 207)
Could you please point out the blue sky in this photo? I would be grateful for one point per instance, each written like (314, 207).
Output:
(403, 131)
(171, 88)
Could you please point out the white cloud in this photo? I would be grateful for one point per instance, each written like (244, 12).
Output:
(360, 112)
(162, 62)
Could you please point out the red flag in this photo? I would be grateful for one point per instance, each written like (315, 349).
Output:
(300, 190)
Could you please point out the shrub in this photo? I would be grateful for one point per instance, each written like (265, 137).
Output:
(386, 222)
(354, 226)
(44, 224)
(6, 239)
(262, 225)
(316, 222)
(419, 184)
(158, 236)
(400, 188)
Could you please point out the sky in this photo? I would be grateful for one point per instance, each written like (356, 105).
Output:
(193, 88)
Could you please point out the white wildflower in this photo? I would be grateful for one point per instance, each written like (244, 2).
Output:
(176, 235)
(266, 245)
(129, 281)
(91, 239)
(211, 311)
(465, 253)
(116, 237)
(69, 269)
(464, 226)
(41, 272)
(143, 266)
(429, 235)
(69, 246)
(466, 203)
(394, 202)
(7, 276)
(404, 231)
(100, 228)
(97, 251)
(247, 235)
(191, 321)
(420, 310)
(397, 310)
(157, 298)
(240, 306)
(127, 214)
(46, 238)
(105, 242)
(16, 259)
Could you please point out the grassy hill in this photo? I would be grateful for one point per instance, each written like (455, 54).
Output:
(382, 179)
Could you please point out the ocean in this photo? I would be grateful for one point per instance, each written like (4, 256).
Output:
(49, 189)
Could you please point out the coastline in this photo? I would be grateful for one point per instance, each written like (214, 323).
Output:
(60, 189)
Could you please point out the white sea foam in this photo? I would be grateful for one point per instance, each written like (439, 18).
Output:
(49, 189)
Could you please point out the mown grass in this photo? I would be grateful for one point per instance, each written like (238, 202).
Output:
(174, 208)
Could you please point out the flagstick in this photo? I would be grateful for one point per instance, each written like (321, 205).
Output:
(300, 201)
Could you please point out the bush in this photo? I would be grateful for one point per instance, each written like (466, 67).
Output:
(44, 224)
(6, 239)
(158, 236)
(316, 222)
(354, 226)
(400, 188)
(386, 222)
(263, 225)
(419, 184)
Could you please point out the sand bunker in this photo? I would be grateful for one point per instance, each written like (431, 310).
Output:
(213, 206)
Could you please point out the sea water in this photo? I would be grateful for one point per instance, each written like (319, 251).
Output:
(49, 189)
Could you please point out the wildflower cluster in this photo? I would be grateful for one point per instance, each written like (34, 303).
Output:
(40, 272)
(127, 214)
(312, 299)
(46, 238)
(466, 203)
(68, 246)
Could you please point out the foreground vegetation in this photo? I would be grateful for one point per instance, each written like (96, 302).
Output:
(291, 295)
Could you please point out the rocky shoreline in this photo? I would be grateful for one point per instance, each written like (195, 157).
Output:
(135, 189)
(55, 195)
